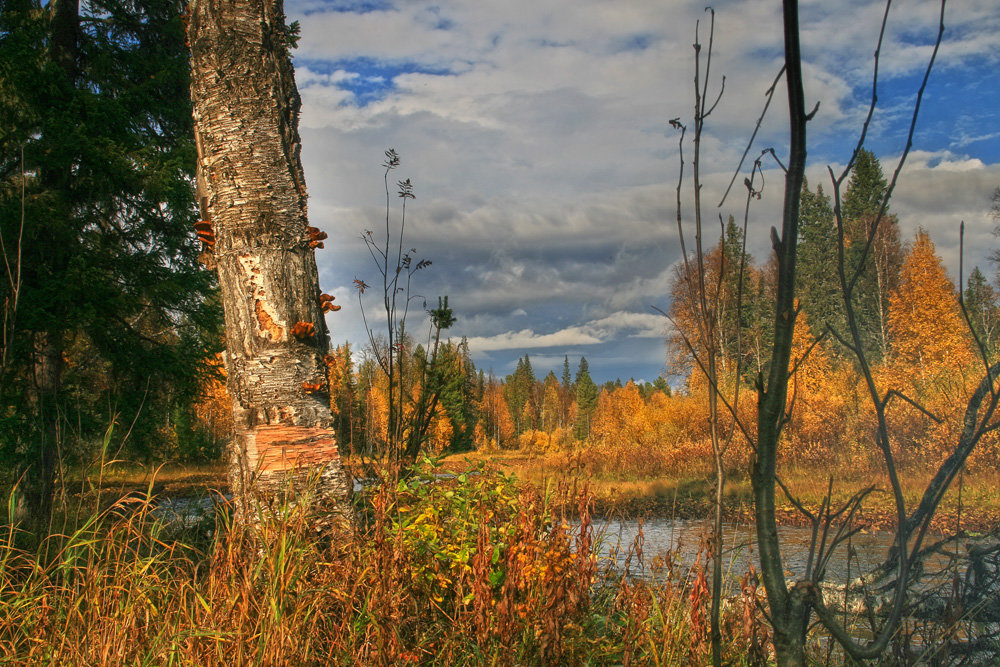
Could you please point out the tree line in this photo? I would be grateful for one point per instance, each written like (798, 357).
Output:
(745, 331)
(475, 410)
(910, 318)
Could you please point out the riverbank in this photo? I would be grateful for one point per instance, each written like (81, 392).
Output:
(448, 569)
(972, 506)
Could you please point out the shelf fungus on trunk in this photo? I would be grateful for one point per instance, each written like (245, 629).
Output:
(253, 198)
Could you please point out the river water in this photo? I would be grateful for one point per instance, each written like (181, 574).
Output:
(682, 540)
(679, 539)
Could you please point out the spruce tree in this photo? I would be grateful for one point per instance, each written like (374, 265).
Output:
(96, 213)
(519, 389)
(879, 269)
(983, 309)
(817, 279)
(736, 317)
(586, 400)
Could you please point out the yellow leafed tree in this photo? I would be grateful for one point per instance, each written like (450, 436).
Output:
(930, 356)
(817, 422)
(928, 333)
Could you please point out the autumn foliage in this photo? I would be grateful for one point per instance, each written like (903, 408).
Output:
(907, 311)
(652, 430)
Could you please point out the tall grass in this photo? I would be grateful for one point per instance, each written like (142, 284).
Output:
(473, 569)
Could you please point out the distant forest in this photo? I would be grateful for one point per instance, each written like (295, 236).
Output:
(112, 331)
(911, 320)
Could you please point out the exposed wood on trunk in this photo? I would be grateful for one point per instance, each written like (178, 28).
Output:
(252, 191)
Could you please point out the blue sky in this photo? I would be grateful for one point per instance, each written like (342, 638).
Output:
(536, 135)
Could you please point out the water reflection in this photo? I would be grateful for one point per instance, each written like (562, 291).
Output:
(682, 539)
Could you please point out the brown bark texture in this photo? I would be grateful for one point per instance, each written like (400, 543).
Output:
(252, 192)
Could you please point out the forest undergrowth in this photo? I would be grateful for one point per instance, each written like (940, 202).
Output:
(474, 568)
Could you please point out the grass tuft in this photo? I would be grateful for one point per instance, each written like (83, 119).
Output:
(468, 569)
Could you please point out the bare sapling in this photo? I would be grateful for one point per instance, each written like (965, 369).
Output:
(413, 386)
(704, 289)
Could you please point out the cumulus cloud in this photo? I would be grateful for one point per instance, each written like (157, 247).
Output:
(631, 325)
(536, 135)
(528, 339)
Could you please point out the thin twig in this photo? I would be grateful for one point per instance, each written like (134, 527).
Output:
(770, 94)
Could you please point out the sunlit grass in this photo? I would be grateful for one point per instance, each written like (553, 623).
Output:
(476, 569)
(691, 493)
(175, 478)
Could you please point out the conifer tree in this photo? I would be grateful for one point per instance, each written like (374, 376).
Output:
(879, 269)
(451, 380)
(96, 209)
(519, 391)
(982, 306)
(736, 315)
(472, 393)
(566, 392)
(586, 400)
(817, 276)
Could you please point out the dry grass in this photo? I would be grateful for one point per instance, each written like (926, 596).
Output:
(171, 479)
(471, 570)
(973, 505)
(475, 569)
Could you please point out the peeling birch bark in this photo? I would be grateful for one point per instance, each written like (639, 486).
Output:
(252, 191)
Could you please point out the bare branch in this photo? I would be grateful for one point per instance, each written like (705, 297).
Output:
(801, 360)
(793, 500)
(895, 392)
(980, 346)
(906, 150)
(769, 95)
(874, 100)
(776, 158)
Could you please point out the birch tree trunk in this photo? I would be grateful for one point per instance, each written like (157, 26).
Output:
(252, 192)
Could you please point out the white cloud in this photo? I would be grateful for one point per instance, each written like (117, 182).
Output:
(535, 133)
(528, 339)
(630, 324)
(634, 325)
